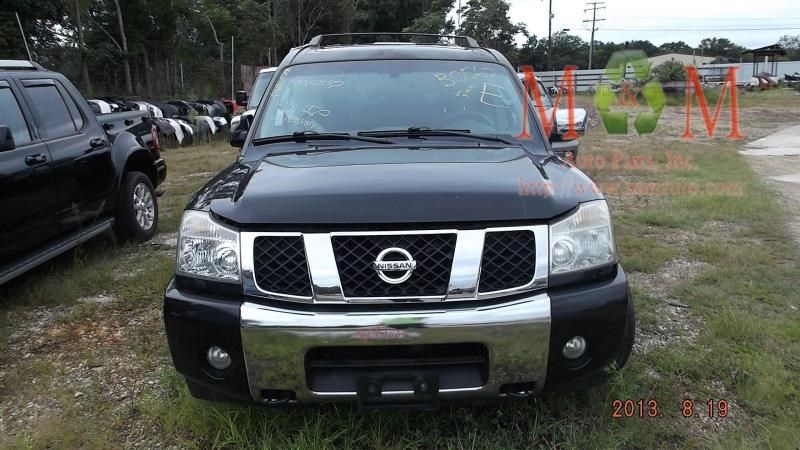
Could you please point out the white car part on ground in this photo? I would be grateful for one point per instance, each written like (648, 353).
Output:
(210, 122)
(105, 108)
(220, 121)
(187, 127)
(178, 129)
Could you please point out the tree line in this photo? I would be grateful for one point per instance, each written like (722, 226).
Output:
(158, 48)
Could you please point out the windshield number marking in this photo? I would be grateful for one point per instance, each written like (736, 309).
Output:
(314, 110)
(489, 98)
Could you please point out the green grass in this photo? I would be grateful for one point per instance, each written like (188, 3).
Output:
(643, 254)
(747, 349)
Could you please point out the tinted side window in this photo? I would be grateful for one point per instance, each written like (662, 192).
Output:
(77, 118)
(11, 116)
(53, 111)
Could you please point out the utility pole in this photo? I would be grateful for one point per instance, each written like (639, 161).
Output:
(550, 36)
(233, 70)
(593, 7)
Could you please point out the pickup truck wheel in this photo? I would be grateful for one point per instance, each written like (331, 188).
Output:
(137, 216)
(630, 334)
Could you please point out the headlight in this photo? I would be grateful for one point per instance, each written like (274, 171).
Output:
(582, 240)
(207, 249)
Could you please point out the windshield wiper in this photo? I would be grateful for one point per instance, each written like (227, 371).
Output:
(425, 131)
(305, 136)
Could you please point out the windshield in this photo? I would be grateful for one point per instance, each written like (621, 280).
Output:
(543, 95)
(258, 89)
(358, 96)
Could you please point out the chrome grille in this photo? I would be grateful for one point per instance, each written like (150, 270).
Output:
(339, 267)
(280, 265)
(508, 260)
(433, 254)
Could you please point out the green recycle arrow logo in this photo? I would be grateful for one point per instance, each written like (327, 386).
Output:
(616, 122)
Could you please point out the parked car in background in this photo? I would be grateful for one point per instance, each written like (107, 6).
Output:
(396, 231)
(259, 87)
(564, 146)
(66, 174)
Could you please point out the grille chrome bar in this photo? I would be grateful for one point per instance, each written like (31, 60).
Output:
(325, 280)
(466, 269)
(464, 274)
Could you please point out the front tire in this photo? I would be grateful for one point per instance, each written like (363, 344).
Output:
(137, 214)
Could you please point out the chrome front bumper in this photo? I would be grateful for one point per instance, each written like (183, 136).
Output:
(516, 334)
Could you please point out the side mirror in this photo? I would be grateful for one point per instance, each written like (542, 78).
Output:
(241, 98)
(567, 150)
(239, 135)
(6, 139)
(552, 91)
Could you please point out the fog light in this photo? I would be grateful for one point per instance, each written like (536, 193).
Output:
(574, 348)
(218, 358)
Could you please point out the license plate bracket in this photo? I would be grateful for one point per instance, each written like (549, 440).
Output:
(415, 390)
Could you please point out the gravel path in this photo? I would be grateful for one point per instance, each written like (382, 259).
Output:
(777, 159)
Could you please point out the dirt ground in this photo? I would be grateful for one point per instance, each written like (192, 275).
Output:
(777, 159)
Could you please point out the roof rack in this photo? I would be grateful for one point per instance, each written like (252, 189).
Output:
(317, 41)
(12, 64)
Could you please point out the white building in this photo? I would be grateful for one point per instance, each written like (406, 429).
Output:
(686, 60)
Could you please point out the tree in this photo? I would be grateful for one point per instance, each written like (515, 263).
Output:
(570, 50)
(389, 15)
(433, 19)
(86, 82)
(603, 52)
(164, 48)
(721, 48)
(40, 20)
(648, 47)
(792, 46)
(675, 47)
(489, 23)
(669, 71)
(534, 53)
(303, 17)
(126, 64)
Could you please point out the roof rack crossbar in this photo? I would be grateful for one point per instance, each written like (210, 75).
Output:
(12, 64)
(317, 41)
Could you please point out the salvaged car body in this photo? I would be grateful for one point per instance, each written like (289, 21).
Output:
(257, 93)
(397, 231)
(564, 142)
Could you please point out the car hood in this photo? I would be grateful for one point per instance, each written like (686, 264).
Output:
(396, 185)
(562, 116)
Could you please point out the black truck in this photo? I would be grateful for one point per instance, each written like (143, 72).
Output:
(67, 175)
(396, 231)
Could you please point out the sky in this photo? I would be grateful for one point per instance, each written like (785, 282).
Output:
(747, 23)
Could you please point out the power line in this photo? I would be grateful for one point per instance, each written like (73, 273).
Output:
(793, 27)
(593, 6)
(705, 19)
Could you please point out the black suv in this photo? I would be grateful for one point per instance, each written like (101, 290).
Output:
(67, 175)
(396, 231)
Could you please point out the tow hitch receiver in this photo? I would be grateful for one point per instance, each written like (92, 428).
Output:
(397, 390)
